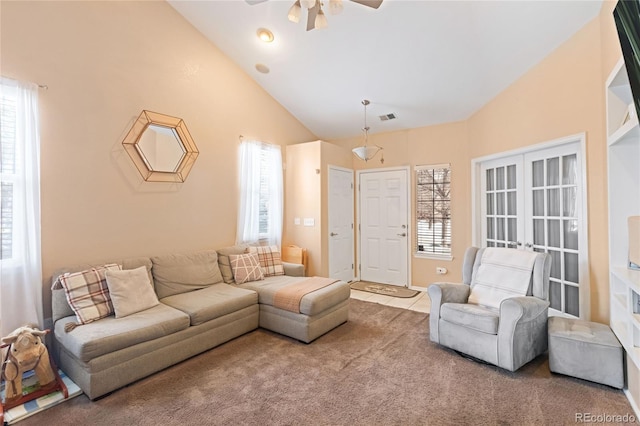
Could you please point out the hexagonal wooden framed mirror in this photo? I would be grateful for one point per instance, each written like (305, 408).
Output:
(161, 147)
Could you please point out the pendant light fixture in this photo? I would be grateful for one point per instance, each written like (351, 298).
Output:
(366, 152)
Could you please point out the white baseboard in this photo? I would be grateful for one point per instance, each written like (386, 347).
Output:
(632, 402)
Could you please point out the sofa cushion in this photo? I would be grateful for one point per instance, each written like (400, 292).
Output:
(112, 334)
(472, 316)
(311, 304)
(270, 260)
(225, 263)
(212, 302)
(130, 291)
(180, 273)
(246, 267)
(88, 294)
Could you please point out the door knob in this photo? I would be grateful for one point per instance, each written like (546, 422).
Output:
(528, 245)
(333, 234)
(404, 234)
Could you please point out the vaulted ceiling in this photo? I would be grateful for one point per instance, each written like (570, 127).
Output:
(427, 62)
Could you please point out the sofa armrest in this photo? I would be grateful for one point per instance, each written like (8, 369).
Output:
(441, 293)
(293, 269)
(522, 330)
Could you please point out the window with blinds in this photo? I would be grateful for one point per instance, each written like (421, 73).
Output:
(433, 210)
(265, 174)
(7, 172)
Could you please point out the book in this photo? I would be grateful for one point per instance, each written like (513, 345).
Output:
(29, 408)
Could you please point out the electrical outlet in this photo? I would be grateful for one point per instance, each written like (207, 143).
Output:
(441, 271)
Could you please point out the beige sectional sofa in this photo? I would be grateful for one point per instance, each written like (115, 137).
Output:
(200, 307)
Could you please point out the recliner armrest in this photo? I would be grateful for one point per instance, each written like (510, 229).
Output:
(521, 309)
(293, 269)
(440, 293)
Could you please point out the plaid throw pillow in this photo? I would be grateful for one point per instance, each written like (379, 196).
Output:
(245, 267)
(270, 260)
(88, 294)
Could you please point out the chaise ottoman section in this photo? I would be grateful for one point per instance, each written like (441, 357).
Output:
(320, 311)
(586, 350)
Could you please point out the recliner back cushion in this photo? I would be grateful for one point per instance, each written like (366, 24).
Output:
(180, 273)
(501, 273)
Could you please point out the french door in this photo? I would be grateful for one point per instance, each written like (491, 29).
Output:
(534, 201)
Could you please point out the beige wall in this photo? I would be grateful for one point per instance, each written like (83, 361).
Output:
(306, 195)
(104, 62)
(445, 143)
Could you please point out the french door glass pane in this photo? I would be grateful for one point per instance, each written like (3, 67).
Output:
(570, 234)
(553, 202)
(490, 229)
(555, 295)
(538, 232)
(538, 202)
(569, 169)
(569, 201)
(553, 235)
(571, 267)
(553, 171)
(499, 178)
(556, 265)
(512, 207)
(512, 229)
(500, 203)
(572, 300)
(537, 173)
(490, 183)
(511, 177)
(490, 202)
(500, 228)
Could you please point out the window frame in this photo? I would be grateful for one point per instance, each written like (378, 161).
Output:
(431, 254)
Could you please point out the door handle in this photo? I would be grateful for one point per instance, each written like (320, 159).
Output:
(404, 234)
(528, 245)
(333, 234)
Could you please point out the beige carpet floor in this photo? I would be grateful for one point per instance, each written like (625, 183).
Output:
(377, 369)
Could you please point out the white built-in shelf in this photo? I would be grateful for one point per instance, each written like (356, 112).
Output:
(623, 173)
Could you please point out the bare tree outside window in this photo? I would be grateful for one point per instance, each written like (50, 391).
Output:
(433, 209)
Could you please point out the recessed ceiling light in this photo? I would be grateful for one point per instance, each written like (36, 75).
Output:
(262, 68)
(265, 35)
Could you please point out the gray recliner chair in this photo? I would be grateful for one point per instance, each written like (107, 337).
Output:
(499, 313)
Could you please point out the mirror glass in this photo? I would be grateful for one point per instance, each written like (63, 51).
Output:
(161, 148)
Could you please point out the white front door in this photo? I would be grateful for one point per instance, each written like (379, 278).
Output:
(340, 206)
(384, 232)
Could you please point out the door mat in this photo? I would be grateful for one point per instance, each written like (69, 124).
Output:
(389, 290)
(29, 408)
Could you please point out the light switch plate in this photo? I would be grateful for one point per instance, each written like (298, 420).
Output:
(296, 221)
(309, 221)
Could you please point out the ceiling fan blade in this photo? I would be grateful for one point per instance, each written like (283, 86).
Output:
(371, 3)
(252, 2)
(311, 17)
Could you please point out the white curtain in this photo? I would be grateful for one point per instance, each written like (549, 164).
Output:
(21, 271)
(261, 194)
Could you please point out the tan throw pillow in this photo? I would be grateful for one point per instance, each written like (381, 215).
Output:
(270, 260)
(88, 294)
(131, 291)
(246, 267)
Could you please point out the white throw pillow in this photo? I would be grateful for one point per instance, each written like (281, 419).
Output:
(130, 291)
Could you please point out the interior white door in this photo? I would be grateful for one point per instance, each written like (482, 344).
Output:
(553, 200)
(340, 206)
(534, 201)
(383, 226)
(501, 183)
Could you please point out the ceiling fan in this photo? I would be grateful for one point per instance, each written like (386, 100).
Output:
(315, 16)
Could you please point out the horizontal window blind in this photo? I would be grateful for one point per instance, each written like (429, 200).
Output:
(7, 172)
(433, 209)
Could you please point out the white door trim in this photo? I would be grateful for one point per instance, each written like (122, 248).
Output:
(353, 235)
(407, 169)
(476, 207)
